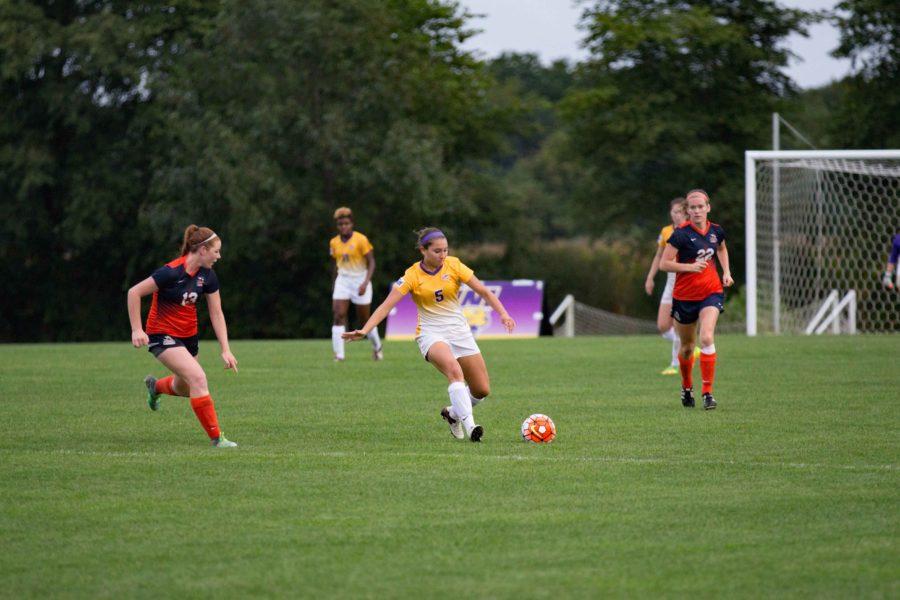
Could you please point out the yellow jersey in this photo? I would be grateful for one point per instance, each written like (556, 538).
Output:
(664, 234)
(437, 296)
(350, 256)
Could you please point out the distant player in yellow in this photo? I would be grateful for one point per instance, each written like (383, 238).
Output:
(354, 263)
(443, 334)
(664, 316)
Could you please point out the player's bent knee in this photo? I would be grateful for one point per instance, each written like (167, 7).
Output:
(480, 392)
(197, 382)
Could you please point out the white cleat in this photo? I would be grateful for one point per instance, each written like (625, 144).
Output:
(378, 354)
(221, 442)
(456, 428)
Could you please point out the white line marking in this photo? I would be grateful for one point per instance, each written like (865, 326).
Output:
(473, 456)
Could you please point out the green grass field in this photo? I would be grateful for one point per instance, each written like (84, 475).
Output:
(347, 484)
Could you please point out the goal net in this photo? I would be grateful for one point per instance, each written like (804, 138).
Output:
(820, 224)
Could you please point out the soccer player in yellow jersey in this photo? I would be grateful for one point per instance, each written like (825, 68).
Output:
(664, 315)
(354, 263)
(443, 334)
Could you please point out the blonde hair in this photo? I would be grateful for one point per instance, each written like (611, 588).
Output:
(343, 213)
(195, 236)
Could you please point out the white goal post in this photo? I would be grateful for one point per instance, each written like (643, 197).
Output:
(820, 223)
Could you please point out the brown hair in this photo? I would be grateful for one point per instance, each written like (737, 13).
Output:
(343, 213)
(420, 235)
(679, 201)
(194, 237)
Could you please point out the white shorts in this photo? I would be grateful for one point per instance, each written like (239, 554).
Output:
(460, 346)
(347, 288)
(667, 292)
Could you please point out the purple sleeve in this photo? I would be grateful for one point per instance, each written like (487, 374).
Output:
(895, 250)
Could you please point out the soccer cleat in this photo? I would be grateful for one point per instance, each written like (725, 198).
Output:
(670, 370)
(709, 403)
(687, 397)
(378, 354)
(338, 358)
(456, 427)
(221, 442)
(152, 396)
(476, 434)
(696, 351)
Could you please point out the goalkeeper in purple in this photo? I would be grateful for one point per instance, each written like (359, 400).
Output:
(890, 280)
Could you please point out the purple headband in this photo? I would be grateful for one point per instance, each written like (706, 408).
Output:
(430, 236)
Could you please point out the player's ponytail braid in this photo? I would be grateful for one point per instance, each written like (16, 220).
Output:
(195, 236)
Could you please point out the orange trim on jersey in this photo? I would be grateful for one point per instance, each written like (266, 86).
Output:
(182, 260)
(703, 233)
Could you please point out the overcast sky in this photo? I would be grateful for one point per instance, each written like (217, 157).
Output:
(548, 28)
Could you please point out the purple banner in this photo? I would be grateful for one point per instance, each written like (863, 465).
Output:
(521, 297)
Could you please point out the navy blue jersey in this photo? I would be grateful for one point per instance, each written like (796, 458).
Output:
(173, 310)
(692, 244)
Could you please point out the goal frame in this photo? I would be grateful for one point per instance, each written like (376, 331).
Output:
(750, 159)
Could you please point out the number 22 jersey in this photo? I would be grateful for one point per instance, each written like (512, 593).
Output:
(692, 244)
(174, 307)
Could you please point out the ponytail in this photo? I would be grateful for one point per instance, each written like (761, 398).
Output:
(195, 236)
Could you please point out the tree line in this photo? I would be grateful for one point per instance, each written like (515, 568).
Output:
(123, 122)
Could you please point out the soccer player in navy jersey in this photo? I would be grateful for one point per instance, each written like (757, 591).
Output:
(890, 271)
(698, 297)
(171, 332)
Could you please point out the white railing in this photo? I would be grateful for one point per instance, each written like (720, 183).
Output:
(830, 314)
(567, 308)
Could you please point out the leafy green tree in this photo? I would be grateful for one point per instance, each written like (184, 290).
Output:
(673, 93)
(290, 111)
(869, 115)
(75, 82)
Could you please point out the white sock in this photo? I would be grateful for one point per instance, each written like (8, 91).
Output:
(475, 401)
(711, 349)
(461, 404)
(670, 334)
(375, 339)
(676, 346)
(337, 342)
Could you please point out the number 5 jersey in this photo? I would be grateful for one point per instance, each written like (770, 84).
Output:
(436, 296)
(174, 307)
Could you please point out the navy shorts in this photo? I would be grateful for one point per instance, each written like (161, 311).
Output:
(688, 311)
(160, 342)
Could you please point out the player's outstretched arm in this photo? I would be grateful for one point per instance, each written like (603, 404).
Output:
(377, 317)
(669, 264)
(145, 288)
(217, 318)
(722, 254)
(479, 288)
